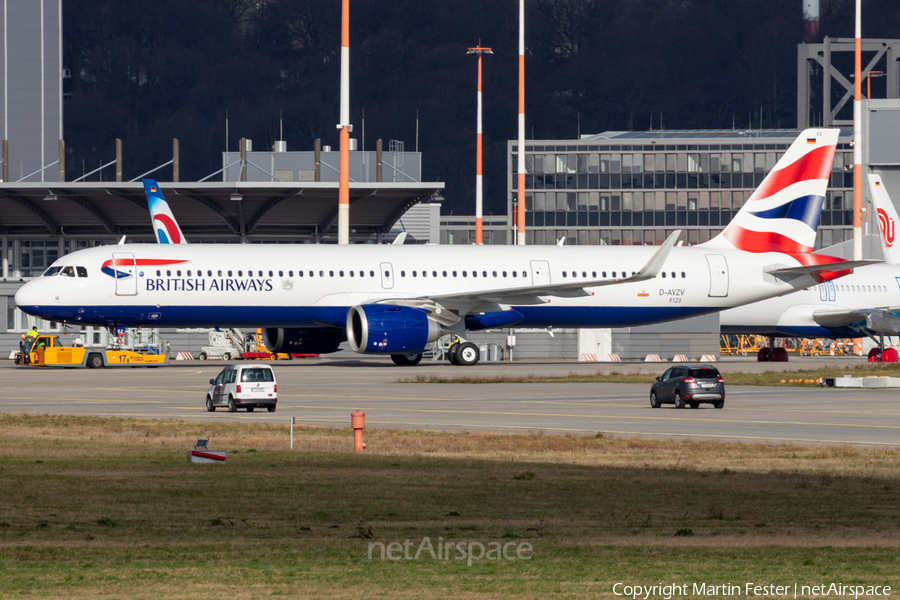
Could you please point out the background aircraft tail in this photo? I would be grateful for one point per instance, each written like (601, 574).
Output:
(783, 213)
(164, 225)
(887, 219)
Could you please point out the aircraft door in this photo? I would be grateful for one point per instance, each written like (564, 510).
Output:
(125, 272)
(540, 272)
(832, 294)
(387, 276)
(718, 276)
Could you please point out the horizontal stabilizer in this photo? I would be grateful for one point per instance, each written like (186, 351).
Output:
(823, 268)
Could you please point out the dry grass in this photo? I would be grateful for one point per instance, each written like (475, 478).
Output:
(590, 450)
(109, 507)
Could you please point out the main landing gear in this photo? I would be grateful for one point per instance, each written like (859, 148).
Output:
(464, 354)
(407, 360)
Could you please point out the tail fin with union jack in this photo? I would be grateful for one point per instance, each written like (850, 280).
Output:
(783, 213)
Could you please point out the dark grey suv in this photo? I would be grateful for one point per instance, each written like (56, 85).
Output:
(689, 385)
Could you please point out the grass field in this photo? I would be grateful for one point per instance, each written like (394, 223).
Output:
(799, 377)
(110, 508)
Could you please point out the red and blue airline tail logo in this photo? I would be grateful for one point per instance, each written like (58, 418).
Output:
(112, 266)
(783, 213)
(164, 226)
(166, 230)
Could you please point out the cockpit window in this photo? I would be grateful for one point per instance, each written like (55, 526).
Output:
(82, 272)
(68, 271)
(52, 271)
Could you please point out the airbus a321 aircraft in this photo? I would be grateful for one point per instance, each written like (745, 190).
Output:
(866, 302)
(394, 300)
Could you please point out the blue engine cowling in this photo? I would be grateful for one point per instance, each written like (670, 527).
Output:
(303, 341)
(388, 329)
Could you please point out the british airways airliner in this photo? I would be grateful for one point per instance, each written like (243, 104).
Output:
(394, 300)
(865, 303)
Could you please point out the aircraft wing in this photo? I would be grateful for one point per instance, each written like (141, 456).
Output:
(876, 320)
(531, 294)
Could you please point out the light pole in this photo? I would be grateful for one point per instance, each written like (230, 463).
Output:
(345, 128)
(479, 194)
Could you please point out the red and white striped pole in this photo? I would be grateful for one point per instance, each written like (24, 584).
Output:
(857, 142)
(345, 127)
(520, 217)
(479, 193)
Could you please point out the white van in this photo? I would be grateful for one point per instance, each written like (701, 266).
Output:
(243, 386)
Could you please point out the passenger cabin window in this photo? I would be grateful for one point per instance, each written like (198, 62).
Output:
(82, 272)
(229, 273)
(371, 273)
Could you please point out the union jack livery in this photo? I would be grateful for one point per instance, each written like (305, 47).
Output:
(783, 213)
(164, 225)
(395, 299)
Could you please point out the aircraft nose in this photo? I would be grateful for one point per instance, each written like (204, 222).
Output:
(28, 295)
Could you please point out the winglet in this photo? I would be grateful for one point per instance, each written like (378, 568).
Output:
(400, 239)
(654, 265)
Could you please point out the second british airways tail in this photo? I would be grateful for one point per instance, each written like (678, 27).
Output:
(164, 225)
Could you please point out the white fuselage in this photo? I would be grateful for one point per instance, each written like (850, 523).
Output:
(315, 285)
(871, 287)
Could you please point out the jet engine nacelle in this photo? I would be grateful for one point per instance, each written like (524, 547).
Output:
(389, 329)
(302, 341)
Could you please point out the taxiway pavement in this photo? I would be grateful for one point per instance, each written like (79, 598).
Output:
(326, 391)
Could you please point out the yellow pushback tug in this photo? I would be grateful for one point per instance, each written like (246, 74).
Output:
(48, 351)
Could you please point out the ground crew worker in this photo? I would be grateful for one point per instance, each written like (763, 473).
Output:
(32, 333)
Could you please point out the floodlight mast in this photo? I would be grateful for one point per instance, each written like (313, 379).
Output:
(479, 191)
(857, 142)
(520, 217)
(346, 128)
